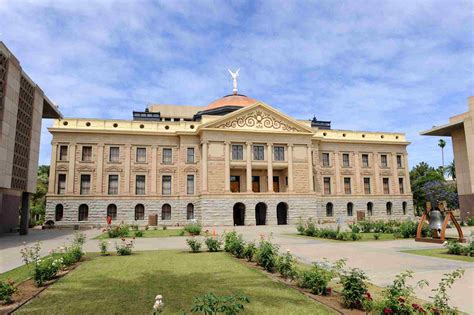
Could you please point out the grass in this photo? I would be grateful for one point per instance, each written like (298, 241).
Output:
(365, 237)
(149, 233)
(18, 274)
(439, 253)
(129, 284)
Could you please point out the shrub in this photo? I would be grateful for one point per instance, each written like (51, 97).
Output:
(310, 228)
(46, 269)
(376, 236)
(286, 265)
(266, 255)
(441, 297)
(147, 227)
(249, 251)
(408, 229)
(300, 226)
(213, 244)
(7, 289)
(213, 304)
(165, 227)
(124, 248)
(317, 278)
(354, 289)
(469, 249)
(103, 246)
(72, 255)
(138, 233)
(454, 248)
(366, 226)
(470, 221)
(234, 243)
(193, 228)
(194, 244)
(121, 230)
(135, 227)
(79, 239)
(355, 228)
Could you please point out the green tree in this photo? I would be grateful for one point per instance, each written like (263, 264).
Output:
(451, 170)
(419, 176)
(442, 144)
(38, 199)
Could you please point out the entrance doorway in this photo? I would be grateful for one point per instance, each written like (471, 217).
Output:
(239, 214)
(282, 213)
(276, 183)
(261, 213)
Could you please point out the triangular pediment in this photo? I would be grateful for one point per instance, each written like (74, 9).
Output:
(258, 117)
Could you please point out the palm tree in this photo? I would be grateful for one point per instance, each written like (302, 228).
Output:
(442, 144)
(451, 170)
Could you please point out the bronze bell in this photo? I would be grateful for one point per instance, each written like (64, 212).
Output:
(436, 220)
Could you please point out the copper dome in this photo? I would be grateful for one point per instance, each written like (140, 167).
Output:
(232, 100)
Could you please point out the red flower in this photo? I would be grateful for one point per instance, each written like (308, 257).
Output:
(368, 296)
(422, 310)
(401, 300)
(123, 239)
(328, 291)
(387, 311)
(415, 306)
(436, 311)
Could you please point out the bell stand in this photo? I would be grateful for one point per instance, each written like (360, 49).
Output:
(442, 236)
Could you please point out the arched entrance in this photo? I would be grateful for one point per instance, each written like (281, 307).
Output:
(239, 214)
(261, 213)
(282, 213)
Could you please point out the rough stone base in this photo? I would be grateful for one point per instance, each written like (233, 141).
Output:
(466, 204)
(218, 210)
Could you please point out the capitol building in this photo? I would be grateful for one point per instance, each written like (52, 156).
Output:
(235, 161)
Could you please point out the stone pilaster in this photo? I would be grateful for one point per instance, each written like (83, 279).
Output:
(396, 187)
(337, 174)
(249, 166)
(128, 152)
(100, 165)
(71, 171)
(52, 169)
(270, 167)
(154, 158)
(290, 168)
(204, 166)
(310, 169)
(227, 166)
(359, 183)
(378, 182)
(407, 175)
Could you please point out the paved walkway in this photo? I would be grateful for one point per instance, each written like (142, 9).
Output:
(381, 260)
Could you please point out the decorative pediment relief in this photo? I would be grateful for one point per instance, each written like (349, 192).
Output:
(62, 168)
(113, 169)
(191, 169)
(347, 172)
(86, 168)
(167, 170)
(140, 169)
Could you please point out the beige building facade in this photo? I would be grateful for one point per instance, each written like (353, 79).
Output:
(237, 161)
(461, 129)
(22, 107)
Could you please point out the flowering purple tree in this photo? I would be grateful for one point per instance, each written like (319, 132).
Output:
(441, 191)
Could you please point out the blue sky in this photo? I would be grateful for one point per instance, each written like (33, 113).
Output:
(365, 65)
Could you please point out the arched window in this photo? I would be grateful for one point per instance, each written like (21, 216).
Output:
(166, 212)
(370, 208)
(189, 211)
(59, 212)
(389, 208)
(329, 209)
(350, 208)
(404, 207)
(112, 211)
(139, 212)
(83, 212)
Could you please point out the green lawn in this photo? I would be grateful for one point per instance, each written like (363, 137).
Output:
(18, 274)
(128, 285)
(365, 237)
(440, 253)
(149, 233)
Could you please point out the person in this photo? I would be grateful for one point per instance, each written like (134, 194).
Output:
(109, 220)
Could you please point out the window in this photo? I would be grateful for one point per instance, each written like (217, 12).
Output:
(383, 160)
(389, 208)
(112, 211)
(85, 184)
(370, 208)
(329, 209)
(347, 185)
(399, 161)
(113, 184)
(258, 152)
(279, 153)
(190, 185)
(404, 207)
(166, 212)
(325, 159)
(365, 160)
(327, 185)
(141, 155)
(234, 183)
(114, 155)
(166, 185)
(400, 185)
(190, 211)
(61, 184)
(83, 212)
(350, 208)
(139, 212)
(190, 155)
(63, 153)
(367, 185)
(59, 212)
(167, 156)
(237, 152)
(86, 153)
(386, 186)
(140, 184)
(345, 159)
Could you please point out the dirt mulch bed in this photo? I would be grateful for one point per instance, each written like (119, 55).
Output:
(27, 290)
(332, 301)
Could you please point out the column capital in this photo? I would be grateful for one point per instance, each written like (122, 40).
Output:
(128, 145)
(290, 145)
(227, 142)
(248, 143)
(204, 142)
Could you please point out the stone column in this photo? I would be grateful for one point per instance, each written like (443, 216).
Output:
(378, 183)
(338, 173)
(52, 169)
(128, 149)
(359, 183)
(310, 169)
(407, 175)
(71, 171)
(227, 166)
(154, 149)
(100, 166)
(249, 166)
(270, 166)
(204, 165)
(290, 168)
(395, 188)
